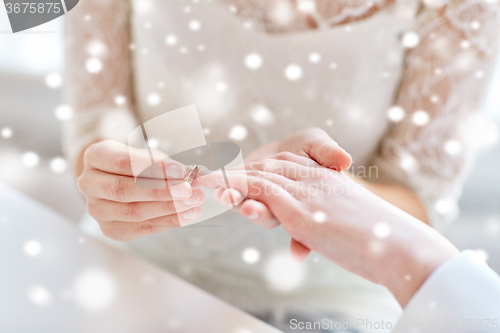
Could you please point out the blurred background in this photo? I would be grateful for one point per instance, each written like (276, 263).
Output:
(32, 109)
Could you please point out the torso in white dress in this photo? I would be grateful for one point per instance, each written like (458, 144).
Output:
(252, 87)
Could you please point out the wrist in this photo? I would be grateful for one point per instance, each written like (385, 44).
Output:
(414, 257)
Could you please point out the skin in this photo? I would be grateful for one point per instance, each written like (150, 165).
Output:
(331, 214)
(126, 211)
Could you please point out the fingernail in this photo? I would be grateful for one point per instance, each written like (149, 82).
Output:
(179, 191)
(175, 172)
(190, 214)
(194, 200)
(253, 216)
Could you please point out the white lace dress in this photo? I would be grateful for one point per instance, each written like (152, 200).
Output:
(396, 83)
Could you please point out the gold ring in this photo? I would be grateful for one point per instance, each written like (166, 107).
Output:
(191, 173)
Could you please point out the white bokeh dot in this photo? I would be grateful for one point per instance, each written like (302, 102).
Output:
(171, 40)
(408, 162)
(250, 256)
(195, 25)
(307, 6)
(120, 100)
(396, 114)
(143, 6)
(333, 65)
(293, 72)
(253, 61)
(7, 133)
(261, 115)
(381, 230)
(221, 86)
(96, 48)
(53, 80)
(95, 289)
(420, 118)
(39, 295)
(444, 206)
(465, 44)
(453, 147)
(64, 112)
(93, 65)
(32, 248)
(153, 143)
(410, 40)
(30, 159)
(284, 274)
(153, 99)
(319, 217)
(58, 165)
(314, 57)
(475, 25)
(238, 132)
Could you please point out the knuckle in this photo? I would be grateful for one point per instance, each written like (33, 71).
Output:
(92, 208)
(117, 188)
(169, 207)
(110, 230)
(89, 153)
(121, 161)
(132, 212)
(82, 183)
(152, 226)
(159, 194)
(284, 155)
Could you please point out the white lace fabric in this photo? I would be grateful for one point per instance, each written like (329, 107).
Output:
(446, 79)
(446, 74)
(98, 74)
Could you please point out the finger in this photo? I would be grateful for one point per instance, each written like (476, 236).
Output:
(105, 210)
(127, 231)
(318, 145)
(282, 204)
(285, 168)
(117, 158)
(298, 250)
(107, 186)
(258, 213)
(288, 156)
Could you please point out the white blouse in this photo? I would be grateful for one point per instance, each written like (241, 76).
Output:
(462, 295)
(396, 83)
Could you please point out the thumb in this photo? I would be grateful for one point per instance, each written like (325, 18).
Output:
(328, 153)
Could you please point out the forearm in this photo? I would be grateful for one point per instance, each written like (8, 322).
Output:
(400, 196)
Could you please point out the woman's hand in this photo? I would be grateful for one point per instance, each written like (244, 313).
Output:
(313, 143)
(334, 216)
(126, 211)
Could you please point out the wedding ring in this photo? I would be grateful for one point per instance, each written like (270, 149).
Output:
(191, 173)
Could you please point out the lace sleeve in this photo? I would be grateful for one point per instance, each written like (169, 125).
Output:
(431, 144)
(98, 74)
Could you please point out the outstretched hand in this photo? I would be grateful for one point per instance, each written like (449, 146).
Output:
(327, 212)
(312, 143)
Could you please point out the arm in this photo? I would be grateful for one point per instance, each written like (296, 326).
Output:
(370, 237)
(430, 150)
(99, 85)
(99, 89)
